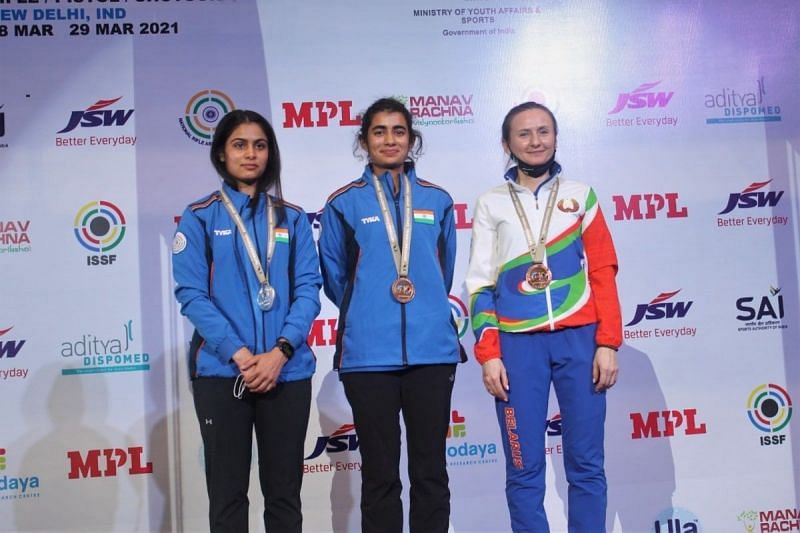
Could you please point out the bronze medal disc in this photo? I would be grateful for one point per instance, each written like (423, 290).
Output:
(538, 276)
(403, 290)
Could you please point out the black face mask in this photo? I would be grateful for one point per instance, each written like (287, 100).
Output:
(534, 171)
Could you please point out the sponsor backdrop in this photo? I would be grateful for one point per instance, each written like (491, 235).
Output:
(682, 115)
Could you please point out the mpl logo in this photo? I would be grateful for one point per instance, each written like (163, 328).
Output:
(642, 97)
(751, 196)
(107, 462)
(659, 308)
(647, 206)
(657, 424)
(14, 237)
(323, 332)
(100, 226)
(676, 520)
(319, 114)
(96, 115)
(761, 313)
(203, 112)
(9, 348)
(16, 488)
(769, 409)
(463, 219)
(460, 315)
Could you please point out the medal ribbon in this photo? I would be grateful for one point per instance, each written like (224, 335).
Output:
(261, 274)
(401, 260)
(536, 250)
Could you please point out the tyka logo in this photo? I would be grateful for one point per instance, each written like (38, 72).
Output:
(642, 97)
(319, 114)
(676, 520)
(97, 115)
(9, 348)
(343, 439)
(769, 409)
(105, 462)
(751, 196)
(659, 308)
(647, 206)
(664, 423)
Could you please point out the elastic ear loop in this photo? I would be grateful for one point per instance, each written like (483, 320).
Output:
(239, 387)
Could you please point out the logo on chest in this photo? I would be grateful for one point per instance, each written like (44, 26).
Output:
(370, 220)
(222, 232)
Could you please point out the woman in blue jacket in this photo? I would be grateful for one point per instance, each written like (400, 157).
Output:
(247, 275)
(387, 249)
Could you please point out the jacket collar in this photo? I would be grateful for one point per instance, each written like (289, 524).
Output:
(240, 200)
(511, 177)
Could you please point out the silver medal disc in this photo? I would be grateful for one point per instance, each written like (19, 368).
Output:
(266, 297)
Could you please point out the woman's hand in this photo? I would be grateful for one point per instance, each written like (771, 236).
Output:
(495, 378)
(262, 375)
(604, 368)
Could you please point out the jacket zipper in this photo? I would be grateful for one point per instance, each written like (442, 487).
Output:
(402, 306)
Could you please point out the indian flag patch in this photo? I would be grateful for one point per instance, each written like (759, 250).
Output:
(282, 235)
(423, 216)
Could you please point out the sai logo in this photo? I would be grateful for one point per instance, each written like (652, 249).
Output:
(100, 227)
(460, 315)
(769, 408)
(202, 114)
(676, 520)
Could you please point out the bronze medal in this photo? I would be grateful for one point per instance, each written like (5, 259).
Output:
(403, 290)
(538, 276)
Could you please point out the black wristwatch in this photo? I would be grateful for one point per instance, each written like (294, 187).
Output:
(284, 346)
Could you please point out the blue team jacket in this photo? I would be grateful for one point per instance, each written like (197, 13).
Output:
(375, 332)
(217, 287)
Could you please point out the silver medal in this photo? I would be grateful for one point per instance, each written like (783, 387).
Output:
(266, 296)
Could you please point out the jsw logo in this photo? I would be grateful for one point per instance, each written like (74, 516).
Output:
(641, 97)
(750, 198)
(9, 349)
(318, 114)
(112, 458)
(664, 423)
(553, 426)
(659, 308)
(342, 440)
(95, 116)
(646, 206)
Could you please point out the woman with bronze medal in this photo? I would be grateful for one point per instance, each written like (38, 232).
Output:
(387, 249)
(545, 310)
(247, 276)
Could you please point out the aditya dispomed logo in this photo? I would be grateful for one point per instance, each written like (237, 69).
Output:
(676, 520)
(769, 409)
(460, 315)
(95, 354)
(99, 227)
(203, 112)
(731, 106)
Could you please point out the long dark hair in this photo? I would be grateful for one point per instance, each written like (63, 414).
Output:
(271, 178)
(389, 105)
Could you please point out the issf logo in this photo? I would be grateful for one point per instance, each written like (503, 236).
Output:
(460, 315)
(203, 112)
(100, 226)
(769, 409)
(752, 196)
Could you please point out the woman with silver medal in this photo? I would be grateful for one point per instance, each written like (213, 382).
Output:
(247, 277)
(545, 311)
(387, 249)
